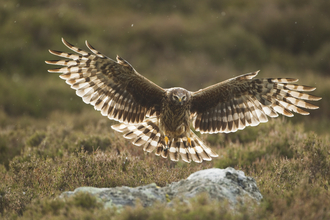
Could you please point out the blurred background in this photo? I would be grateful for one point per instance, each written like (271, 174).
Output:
(186, 43)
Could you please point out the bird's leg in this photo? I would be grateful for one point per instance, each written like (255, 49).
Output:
(189, 141)
(187, 129)
(166, 142)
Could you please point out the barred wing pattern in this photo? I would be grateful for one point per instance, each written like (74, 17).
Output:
(147, 135)
(243, 101)
(121, 93)
(114, 88)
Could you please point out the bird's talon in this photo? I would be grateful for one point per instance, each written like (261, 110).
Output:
(189, 142)
(166, 143)
(166, 140)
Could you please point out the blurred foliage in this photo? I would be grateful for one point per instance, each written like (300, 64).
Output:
(191, 44)
(50, 141)
(244, 35)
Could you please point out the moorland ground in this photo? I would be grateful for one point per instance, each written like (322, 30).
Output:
(50, 141)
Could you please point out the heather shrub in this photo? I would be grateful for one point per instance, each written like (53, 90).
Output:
(50, 141)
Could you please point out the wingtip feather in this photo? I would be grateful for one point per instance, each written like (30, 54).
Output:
(89, 45)
(66, 43)
(54, 70)
(52, 62)
(55, 52)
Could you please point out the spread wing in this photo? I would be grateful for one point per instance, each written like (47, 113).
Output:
(112, 87)
(243, 101)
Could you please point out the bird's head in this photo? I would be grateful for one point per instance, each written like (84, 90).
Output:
(179, 96)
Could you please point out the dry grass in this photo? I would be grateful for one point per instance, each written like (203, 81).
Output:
(291, 167)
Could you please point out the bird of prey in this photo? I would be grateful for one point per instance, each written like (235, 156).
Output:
(159, 119)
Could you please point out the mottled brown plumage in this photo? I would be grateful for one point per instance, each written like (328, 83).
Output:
(160, 119)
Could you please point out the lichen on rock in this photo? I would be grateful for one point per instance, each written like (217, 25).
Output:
(218, 184)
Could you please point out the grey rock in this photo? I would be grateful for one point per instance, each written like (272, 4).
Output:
(219, 184)
(123, 196)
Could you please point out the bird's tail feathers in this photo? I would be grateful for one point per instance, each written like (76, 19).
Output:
(148, 135)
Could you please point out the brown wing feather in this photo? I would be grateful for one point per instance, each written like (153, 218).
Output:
(114, 88)
(243, 101)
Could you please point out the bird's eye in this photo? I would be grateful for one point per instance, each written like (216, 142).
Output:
(183, 98)
(175, 97)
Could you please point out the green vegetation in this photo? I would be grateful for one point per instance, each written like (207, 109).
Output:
(60, 153)
(50, 141)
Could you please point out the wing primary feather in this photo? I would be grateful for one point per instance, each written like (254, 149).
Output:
(117, 90)
(75, 49)
(97, 53)
(92, 74)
